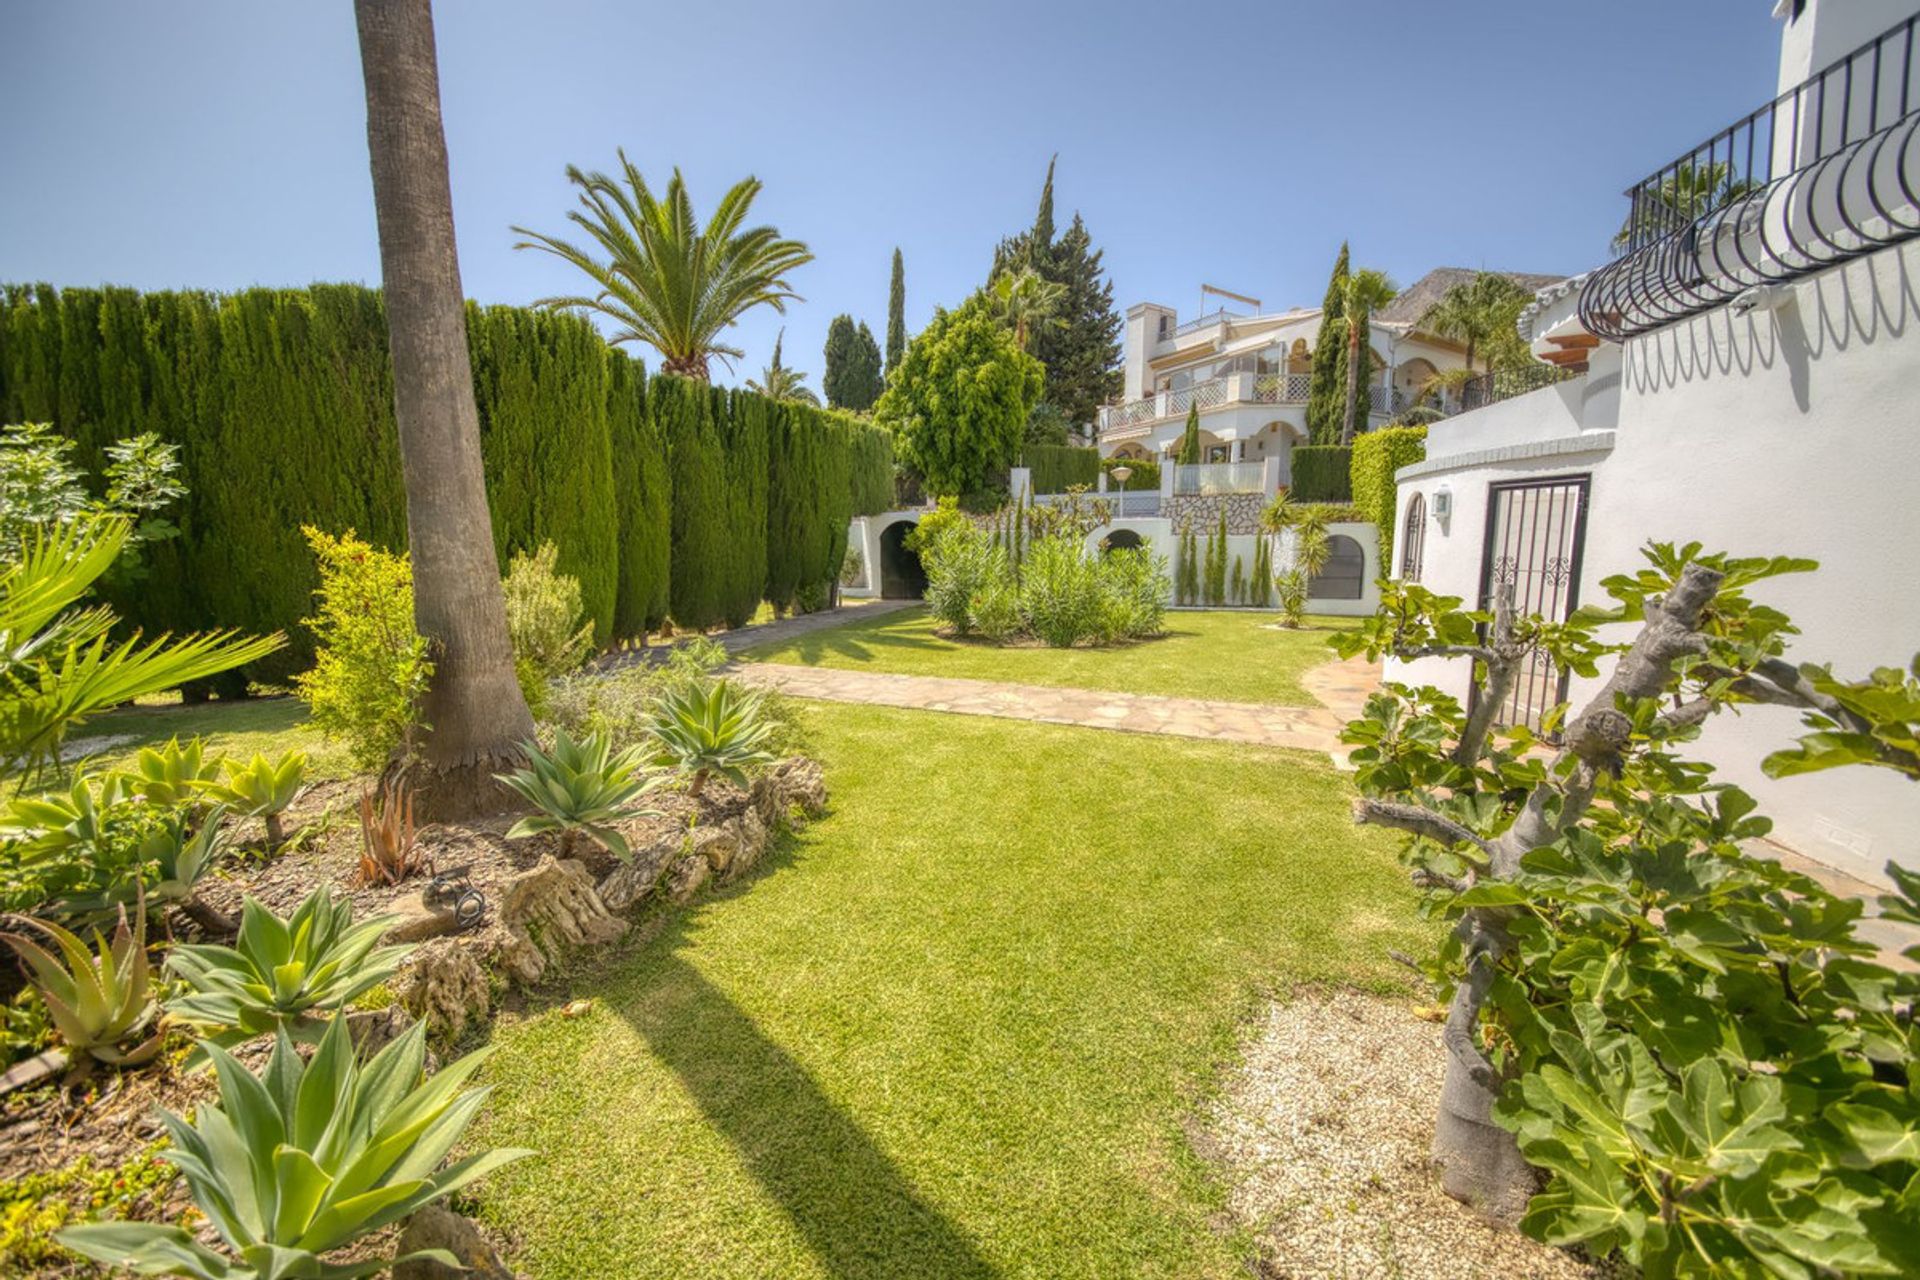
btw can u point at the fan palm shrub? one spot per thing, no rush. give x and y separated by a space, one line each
582 785
261 788
98 998
60 664
306 1159
665 280
712 728
282 973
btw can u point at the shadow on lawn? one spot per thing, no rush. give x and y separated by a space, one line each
855 1207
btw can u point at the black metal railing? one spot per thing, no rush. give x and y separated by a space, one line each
1825 172
1505 384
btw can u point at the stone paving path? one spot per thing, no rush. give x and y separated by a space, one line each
1340 686
764 632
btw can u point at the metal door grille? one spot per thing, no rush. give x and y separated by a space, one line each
1536 530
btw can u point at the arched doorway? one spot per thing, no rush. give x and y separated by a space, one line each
901 577
1346 573
1120 540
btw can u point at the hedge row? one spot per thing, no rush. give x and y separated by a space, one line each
1143 474
1320 473
1057 466
281 403
1376 456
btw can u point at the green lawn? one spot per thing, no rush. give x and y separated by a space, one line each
266 725
1240 657
955 1028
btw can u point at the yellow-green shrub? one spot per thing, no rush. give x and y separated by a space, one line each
370 666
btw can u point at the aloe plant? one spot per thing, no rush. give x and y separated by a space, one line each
279 974
581 786
98 998
307 1158
260 788
707 729
389 851
172 777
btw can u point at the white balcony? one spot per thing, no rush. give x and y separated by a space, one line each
1137 417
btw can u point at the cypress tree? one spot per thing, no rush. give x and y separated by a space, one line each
744 426
1327 388
897 313
853 379
1190 440
681 412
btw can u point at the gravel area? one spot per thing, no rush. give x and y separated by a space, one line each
1322 1133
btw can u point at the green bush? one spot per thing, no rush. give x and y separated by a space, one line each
1134 589
1060 592
1142 477
959 560
1057 466
1376 456
995 609
1321 473
545 622
369 666
621 704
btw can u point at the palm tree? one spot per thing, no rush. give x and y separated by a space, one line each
667 281
1363 292
473 709
1477 311
778 382
1691 191
1024 300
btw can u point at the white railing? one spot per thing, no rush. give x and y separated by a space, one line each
1282 388
1219 477
1204 395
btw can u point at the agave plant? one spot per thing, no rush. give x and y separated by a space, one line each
98 998
388 852
305 1159
709 729
582 785
173 776
280 974
77 842
261 788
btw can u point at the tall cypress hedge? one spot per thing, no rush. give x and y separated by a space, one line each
663 498
1056 466
643 491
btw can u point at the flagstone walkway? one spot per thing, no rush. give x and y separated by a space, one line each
1341 687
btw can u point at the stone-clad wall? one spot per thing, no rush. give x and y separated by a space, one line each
1203 511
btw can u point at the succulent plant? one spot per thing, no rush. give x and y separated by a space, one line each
171 777
307 1158
712 728
98 998
260 788
174 858
388 849
282 973
581 785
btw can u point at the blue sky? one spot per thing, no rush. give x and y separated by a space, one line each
222 144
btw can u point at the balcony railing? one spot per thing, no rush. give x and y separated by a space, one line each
1236 388
1198 323
1505 384
1282 388
1219 477
1824 173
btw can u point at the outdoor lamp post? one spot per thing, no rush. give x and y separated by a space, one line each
1121 473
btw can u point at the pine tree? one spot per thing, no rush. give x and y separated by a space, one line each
1190 441
897 313
1081 350
1326 397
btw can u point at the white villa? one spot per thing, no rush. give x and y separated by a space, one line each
1749 378
1249 375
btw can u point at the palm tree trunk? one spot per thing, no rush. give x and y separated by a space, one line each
473 709
1353 381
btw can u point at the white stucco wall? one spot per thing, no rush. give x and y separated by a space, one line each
1794 432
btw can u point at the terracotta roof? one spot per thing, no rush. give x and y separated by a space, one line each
1413 301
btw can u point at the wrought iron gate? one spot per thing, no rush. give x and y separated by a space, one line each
1536 530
